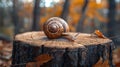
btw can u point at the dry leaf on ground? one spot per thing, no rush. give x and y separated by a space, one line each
43 58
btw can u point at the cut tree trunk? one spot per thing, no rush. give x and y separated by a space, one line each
85 51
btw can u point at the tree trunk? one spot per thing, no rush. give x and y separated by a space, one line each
111 17
83 15
1 17
85 51
16 17
36 16
65 10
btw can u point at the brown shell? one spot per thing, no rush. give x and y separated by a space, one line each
54 27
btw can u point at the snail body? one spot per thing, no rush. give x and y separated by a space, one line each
55 27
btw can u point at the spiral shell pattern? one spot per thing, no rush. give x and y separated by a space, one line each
54 27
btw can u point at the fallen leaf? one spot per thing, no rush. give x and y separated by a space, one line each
44 58
117 65
100 63
41 59
31 64
1 45
99 34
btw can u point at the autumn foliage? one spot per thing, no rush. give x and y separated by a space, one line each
74 15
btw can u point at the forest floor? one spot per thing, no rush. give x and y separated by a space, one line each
6 54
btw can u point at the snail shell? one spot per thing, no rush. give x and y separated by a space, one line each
55 27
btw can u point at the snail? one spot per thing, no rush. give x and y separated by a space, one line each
56 27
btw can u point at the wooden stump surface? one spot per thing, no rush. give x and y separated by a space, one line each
85 51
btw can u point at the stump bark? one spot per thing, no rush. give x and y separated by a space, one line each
85 51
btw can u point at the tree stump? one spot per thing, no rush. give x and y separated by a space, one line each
85 51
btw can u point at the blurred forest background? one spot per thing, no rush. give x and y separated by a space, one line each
18 16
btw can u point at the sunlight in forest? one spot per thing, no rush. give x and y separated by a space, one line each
98 1
48 3
27 0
